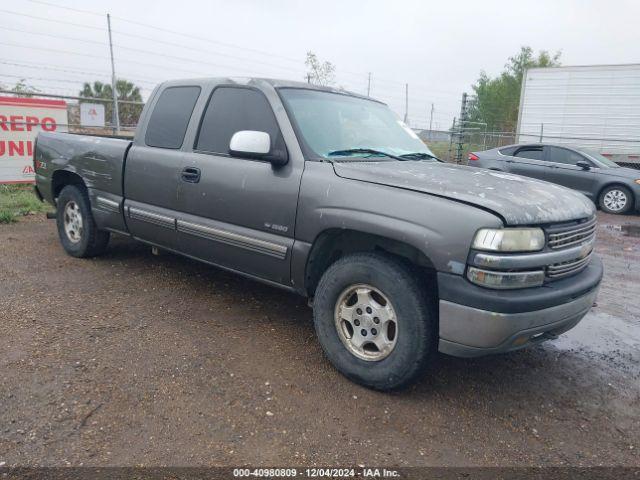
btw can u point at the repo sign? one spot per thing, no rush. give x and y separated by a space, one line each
20 121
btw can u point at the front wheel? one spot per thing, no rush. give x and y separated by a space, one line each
616 199
375 320
76 227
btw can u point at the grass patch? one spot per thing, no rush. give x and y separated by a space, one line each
17 201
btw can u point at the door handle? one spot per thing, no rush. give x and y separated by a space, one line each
191 174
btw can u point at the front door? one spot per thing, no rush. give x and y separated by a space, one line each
239 212
564 170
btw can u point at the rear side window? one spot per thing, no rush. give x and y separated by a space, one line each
508 151
562 155
231 110
534 153
170 117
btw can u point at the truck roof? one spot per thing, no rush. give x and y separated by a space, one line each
258 81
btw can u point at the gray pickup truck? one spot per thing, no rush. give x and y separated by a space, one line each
328 194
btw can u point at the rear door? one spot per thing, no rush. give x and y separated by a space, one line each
153 167
564 170
240 212
529 161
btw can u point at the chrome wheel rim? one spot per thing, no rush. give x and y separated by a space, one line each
366 322
72 222
615 200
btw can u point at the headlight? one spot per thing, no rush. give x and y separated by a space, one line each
505 280
509 239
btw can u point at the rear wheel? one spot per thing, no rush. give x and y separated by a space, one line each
76 227
374 320
616 199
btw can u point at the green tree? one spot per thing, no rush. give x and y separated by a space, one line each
498 99
125 90
23 89
319 72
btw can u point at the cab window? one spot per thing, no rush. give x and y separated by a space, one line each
563 155
232 109
533 153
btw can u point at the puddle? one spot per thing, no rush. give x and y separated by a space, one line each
600 332
627 230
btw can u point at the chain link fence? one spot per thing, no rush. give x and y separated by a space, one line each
451 145
128 109
454 145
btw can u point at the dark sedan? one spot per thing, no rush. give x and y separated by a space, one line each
613 188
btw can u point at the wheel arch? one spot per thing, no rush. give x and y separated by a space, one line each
333 243
62 178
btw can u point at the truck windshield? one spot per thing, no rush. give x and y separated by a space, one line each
340 126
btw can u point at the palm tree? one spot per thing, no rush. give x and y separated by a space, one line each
126 90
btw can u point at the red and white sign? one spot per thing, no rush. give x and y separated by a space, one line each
91 115
20 121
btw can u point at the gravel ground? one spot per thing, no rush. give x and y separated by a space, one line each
132 359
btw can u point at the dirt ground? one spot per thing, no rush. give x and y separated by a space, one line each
132 359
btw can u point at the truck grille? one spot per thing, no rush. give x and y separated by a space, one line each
564 269
572 235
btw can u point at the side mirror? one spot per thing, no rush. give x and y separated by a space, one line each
584 165
254 144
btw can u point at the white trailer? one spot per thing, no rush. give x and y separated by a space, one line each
596 106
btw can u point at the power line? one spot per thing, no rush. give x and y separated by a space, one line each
52 20
39 66
204 39
173 57
164 67
75 39
67 8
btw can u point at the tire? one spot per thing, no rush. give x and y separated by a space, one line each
616 199
76 227
414 335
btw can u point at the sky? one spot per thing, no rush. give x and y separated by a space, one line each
437 48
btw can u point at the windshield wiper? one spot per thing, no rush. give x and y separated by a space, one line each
370 151
420 156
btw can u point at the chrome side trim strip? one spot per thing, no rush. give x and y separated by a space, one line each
530 260
107 204
150 217
234 239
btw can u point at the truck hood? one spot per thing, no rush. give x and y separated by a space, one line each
518 200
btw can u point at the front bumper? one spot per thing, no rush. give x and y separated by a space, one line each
477 321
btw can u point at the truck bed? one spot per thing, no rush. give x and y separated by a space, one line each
99 161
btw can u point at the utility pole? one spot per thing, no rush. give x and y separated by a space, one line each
430 121
451 134
369 85
116 113
406 103
541 131
461 125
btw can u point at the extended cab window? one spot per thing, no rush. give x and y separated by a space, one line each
170 117
231 110
534 153
562 155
